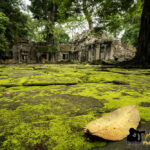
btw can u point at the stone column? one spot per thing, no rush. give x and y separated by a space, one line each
38 57
97 51
47 57
79 56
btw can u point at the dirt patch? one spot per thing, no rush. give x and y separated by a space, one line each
47 84
80 104
18 75
125 94
106 70
118 82
145 104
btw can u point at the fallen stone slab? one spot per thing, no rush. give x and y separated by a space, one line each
115 126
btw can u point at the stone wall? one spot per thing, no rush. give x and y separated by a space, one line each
31 52
91 48
24 52
123 52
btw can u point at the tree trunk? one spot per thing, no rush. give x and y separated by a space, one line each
87 15
90 24
143 51
50 33
51 25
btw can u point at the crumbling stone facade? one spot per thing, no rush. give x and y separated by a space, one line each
31 52
91 48
86 47
83 48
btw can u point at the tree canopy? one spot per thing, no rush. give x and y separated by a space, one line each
132 25
4 21
49 11
12 23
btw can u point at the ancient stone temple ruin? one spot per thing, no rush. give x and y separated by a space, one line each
83 48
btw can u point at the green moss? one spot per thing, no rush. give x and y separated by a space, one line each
54 116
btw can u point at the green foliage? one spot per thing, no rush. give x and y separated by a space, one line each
35 30
18 26
4 21
74 23
114 24
132 25
113 15
97 31
13 22
50 12
88 8
106 14
60 34
131 35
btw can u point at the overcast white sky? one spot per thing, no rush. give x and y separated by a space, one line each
27 2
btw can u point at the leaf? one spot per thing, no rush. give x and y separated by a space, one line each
115 126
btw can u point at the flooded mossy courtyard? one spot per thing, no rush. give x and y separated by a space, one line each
47 106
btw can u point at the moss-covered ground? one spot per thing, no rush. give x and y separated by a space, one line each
45 107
